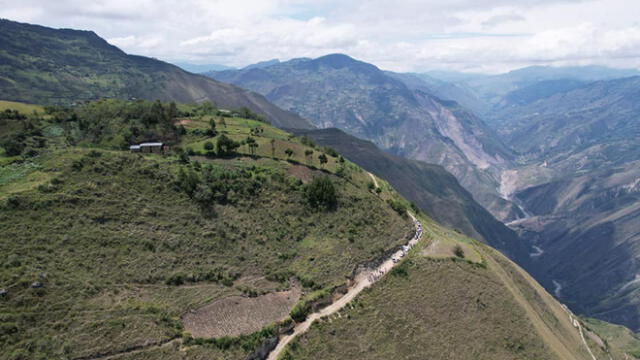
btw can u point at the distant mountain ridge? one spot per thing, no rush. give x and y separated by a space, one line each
60 66
201 68
338 91
486 94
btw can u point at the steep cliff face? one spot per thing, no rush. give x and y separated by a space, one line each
578 183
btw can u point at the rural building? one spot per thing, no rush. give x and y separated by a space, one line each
149 147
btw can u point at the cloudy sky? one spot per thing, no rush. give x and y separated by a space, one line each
401 35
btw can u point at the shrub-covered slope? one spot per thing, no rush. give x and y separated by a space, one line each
109 253
430 187
104 250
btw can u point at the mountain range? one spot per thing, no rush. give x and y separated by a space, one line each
230 244
578 180
63 66
339 91
557 162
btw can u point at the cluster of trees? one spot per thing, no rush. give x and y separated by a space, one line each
116 123
10 114
245 112
226 146
321 193
214 184
26 138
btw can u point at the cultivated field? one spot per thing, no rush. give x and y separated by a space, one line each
240 315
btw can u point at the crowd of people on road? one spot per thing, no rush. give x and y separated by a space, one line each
378 273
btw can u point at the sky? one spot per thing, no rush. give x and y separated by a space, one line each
489 36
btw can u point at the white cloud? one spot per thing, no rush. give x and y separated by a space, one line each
415 35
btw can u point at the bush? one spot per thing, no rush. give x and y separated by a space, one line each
321 193
305 140
13 147
331 152
226 145
300 311
208 146
398 206
457 251
401 270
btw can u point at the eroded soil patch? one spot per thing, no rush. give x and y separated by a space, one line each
239 315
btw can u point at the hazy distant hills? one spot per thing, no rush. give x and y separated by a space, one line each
50 66
485 94
201 68
338 91
603 114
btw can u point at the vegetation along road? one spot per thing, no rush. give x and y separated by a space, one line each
363 280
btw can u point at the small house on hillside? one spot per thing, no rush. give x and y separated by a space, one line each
149 147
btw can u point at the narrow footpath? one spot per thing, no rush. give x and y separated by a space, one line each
363 280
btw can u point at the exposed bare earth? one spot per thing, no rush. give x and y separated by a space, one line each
239 315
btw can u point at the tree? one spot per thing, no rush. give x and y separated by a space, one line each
331 152
308 153
14 146
273 147
208 146
222 121
252 144
305 140
187 181
289 152
323 159
226 146
457 251
172 111
321 193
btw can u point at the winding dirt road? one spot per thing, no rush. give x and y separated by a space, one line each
375 181
363 280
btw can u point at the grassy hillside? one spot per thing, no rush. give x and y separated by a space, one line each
438 306
430 187
64 66
116 254
105 250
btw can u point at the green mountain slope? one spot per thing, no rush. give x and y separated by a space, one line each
201 253
338 91
439 307
121 246
50 66
428 186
